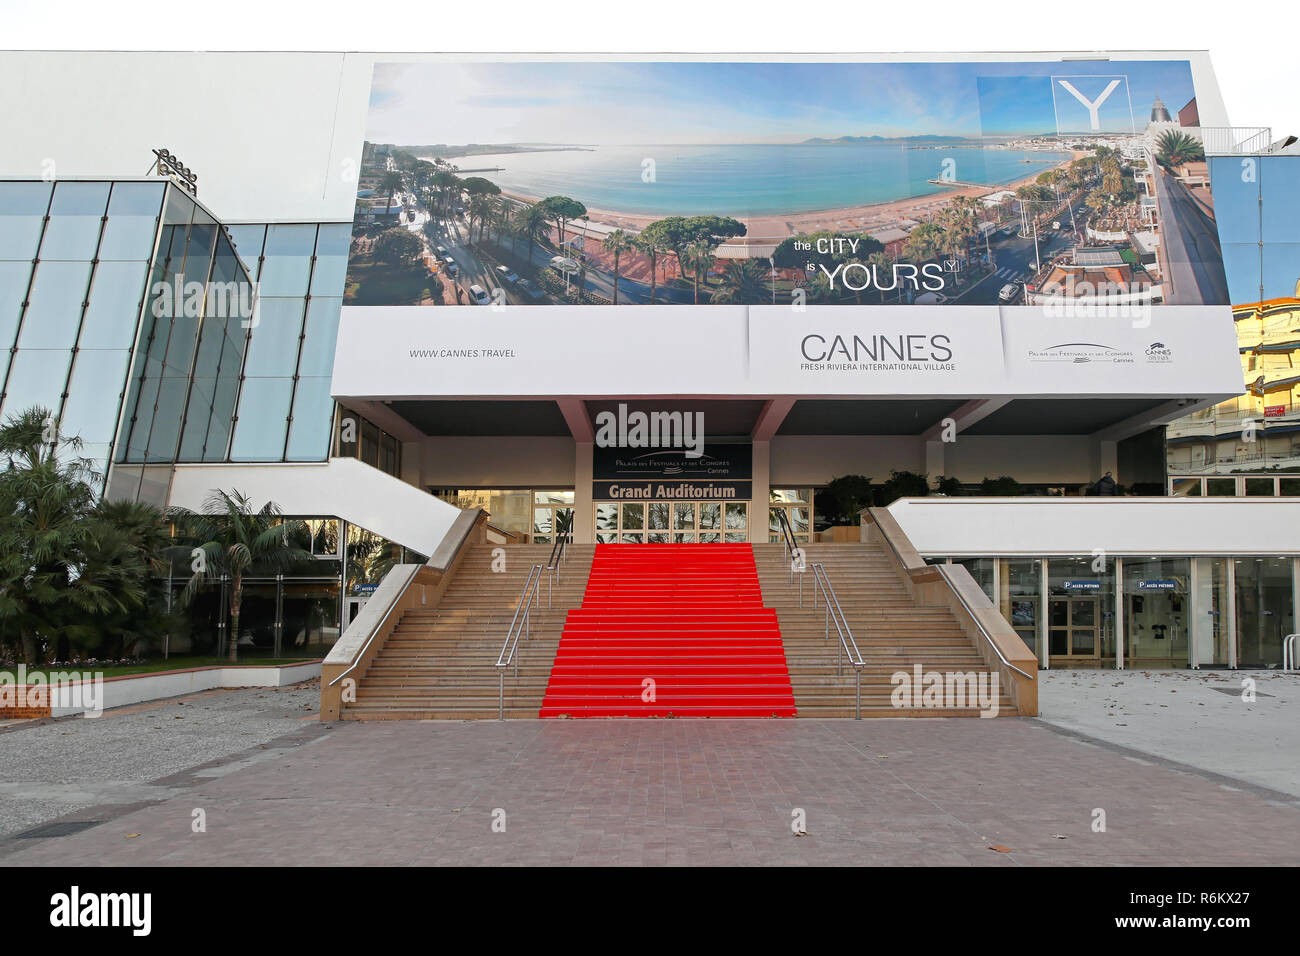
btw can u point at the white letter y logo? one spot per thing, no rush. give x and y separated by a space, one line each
1093 107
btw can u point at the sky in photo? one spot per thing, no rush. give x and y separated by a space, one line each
626 102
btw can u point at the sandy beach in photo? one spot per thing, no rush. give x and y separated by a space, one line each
772 229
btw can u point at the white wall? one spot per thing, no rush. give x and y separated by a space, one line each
343 487
495 462
1118 526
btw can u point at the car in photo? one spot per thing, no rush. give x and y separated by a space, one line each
443 252
1009 292
529 288
478 295
931 298
504 273
449 264
1056 224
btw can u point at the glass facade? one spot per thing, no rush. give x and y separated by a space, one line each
74 265
1257 210
1169 611
358 437
797 503
284 407
159 336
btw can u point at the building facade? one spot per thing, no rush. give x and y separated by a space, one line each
376 323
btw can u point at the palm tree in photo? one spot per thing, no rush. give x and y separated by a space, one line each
881 265
391 184
480 208
700 256
445 183
231 539
745 282
616 243
651 244
534 223
1174 148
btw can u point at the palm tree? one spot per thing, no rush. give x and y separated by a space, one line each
650 243
618 242
391 183
534 222
44 497
480 208
1174 148
446 183
700 256
881 264
230 540
745 282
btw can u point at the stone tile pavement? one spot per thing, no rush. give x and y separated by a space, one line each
874 792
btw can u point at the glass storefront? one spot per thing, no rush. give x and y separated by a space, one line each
523 514
1211 612
1157 615
672 522
1081 611
1020 599
1173 611
1265 612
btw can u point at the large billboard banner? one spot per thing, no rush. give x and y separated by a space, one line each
605 182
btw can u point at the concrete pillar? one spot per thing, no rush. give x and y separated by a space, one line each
762 492
584 511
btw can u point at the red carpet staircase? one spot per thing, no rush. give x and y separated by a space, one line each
688 617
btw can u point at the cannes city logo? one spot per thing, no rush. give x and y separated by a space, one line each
638 429
219 300
946 690
64 691
1091 93
75 908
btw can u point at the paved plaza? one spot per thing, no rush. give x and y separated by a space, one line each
289 790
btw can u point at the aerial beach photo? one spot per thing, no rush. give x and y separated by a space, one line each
694 182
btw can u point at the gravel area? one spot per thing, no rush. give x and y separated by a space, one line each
51 768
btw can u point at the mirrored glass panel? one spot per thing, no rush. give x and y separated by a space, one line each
22 212
133 213
94 395
313 409
332 243
76 215
286 263
263 419
116 295
321 336
36 377
273 347
54 307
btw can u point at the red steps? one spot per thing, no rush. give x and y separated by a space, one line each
690 617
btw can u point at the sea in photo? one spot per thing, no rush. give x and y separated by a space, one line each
744 181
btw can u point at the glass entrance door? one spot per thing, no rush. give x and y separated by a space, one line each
672 522
1264 610
1072 630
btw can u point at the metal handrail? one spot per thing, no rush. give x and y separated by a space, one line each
518 625
559 556
1289 652
791 548
944 572
848 647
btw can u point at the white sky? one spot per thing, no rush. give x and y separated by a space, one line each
1252 46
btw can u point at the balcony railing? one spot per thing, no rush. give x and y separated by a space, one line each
1233 140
